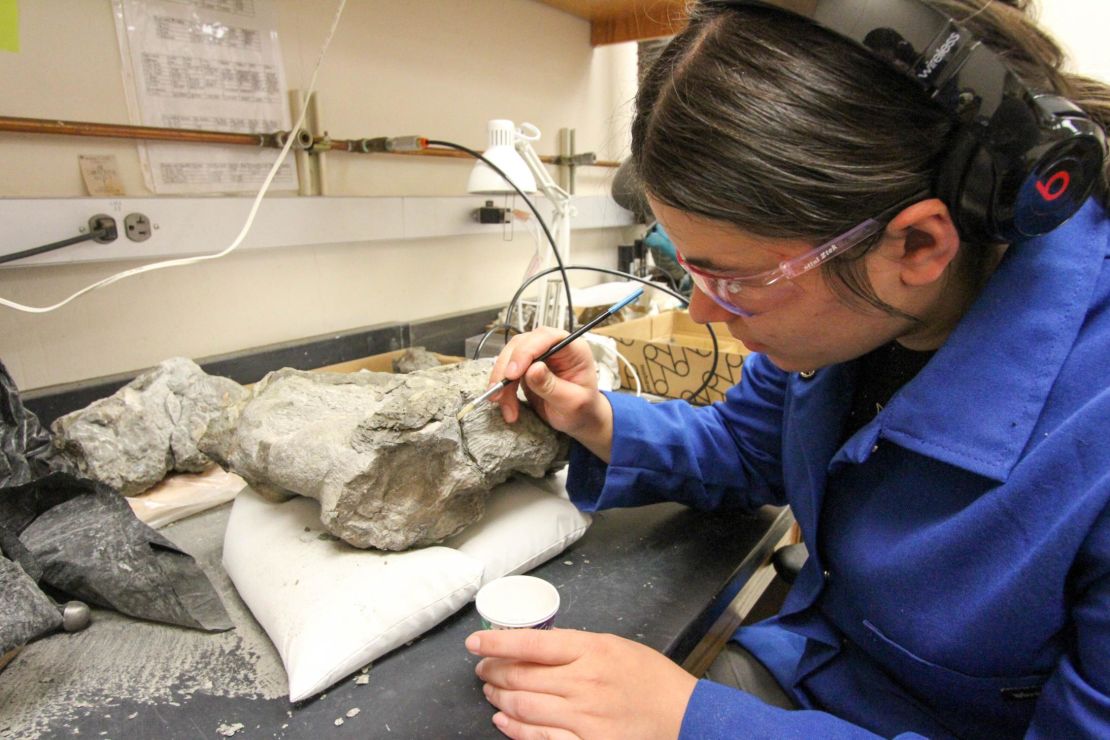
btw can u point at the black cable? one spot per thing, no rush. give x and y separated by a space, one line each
535 211
706 379
488 334
97 234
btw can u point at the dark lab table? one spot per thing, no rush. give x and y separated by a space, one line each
658 574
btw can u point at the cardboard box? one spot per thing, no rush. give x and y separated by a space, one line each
382 363
672 354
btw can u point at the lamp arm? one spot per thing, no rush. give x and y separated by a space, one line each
557 195
560 200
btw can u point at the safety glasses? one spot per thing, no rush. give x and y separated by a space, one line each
759 292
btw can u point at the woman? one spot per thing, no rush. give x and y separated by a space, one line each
930 399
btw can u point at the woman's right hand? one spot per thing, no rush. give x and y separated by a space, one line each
562 390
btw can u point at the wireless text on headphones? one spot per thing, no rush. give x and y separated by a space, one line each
1022 163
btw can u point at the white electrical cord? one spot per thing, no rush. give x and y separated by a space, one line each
631 371
606 345
250 216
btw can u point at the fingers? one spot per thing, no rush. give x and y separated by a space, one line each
530 714
520 731
514 360
516 675
548 647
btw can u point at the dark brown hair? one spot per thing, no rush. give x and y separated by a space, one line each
759 118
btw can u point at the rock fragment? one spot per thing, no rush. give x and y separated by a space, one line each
150 427
413 359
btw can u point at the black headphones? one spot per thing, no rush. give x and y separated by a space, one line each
1022 162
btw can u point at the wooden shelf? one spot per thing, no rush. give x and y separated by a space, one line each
614 21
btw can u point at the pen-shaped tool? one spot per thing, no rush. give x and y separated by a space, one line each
555 348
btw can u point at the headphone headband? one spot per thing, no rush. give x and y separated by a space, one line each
1021 162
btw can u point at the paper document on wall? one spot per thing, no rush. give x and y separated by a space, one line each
211 65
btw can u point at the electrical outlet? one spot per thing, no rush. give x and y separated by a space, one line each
491 214
137 227
102 221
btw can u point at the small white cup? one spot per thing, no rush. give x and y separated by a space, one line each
517 602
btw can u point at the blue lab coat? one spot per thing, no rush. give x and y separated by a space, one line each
959 574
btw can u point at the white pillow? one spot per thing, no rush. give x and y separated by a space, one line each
524 526
321 600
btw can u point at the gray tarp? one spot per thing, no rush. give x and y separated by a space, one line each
82 539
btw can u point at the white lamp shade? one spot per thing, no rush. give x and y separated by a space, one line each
503 153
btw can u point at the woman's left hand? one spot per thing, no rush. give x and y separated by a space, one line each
571 684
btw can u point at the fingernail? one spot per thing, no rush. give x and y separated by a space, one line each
511 369
500 720
473 643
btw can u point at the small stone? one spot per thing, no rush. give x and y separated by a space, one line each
133 715
353 712
362 680
338 722
228 730
413 359
568 562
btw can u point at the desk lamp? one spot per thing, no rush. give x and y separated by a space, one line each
510 149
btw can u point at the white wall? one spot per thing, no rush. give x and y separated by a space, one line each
1081 27
439 68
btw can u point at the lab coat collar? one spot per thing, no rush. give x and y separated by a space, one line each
975 404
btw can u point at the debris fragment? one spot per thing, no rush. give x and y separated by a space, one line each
353 712
338 722
362 680
228 730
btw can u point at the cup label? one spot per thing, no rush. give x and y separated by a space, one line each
545 625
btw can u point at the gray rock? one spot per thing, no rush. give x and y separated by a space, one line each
413 359
148 428
25 611
382 453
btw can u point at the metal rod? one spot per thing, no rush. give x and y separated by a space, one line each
305 175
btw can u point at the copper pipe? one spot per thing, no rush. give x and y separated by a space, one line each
120 131
152 133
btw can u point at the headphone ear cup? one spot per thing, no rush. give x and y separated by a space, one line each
1018 177
964 181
